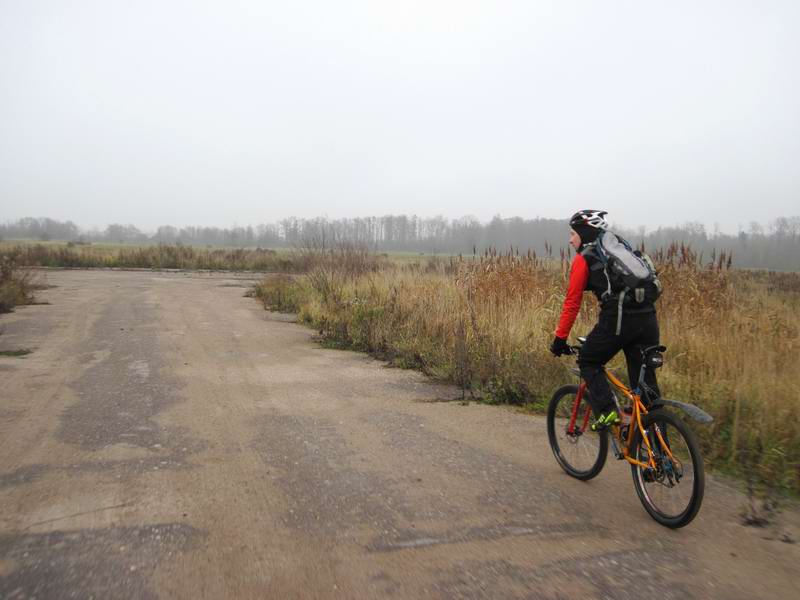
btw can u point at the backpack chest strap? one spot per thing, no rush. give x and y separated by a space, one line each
619 311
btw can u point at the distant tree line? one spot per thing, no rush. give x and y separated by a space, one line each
772 246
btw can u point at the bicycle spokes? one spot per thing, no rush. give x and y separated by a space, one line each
578 424
580 451
663 467
667 483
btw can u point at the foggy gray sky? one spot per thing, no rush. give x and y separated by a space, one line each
242 112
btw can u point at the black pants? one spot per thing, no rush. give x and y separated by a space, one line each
638 331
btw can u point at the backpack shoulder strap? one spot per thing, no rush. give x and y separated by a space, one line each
624 242
594 256
590 250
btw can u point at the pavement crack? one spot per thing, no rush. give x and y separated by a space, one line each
79 514
479 534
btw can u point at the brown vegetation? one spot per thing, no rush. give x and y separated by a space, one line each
16 285
160 256
486 324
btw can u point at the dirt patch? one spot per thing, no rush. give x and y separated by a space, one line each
328 494
115 562
124 390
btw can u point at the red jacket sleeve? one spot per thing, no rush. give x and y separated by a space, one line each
578 278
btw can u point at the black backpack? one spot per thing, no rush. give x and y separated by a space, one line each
631 275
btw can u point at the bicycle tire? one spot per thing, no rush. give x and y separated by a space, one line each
566 447
683 444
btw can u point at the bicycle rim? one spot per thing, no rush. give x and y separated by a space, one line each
580 451
673 491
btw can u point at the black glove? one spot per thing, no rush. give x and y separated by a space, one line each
559 347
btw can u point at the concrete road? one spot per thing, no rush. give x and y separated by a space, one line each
168 438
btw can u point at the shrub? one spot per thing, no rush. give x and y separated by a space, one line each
281 293
16 286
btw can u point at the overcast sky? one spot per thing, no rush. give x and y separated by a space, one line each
243 112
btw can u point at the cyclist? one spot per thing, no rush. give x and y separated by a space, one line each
639 325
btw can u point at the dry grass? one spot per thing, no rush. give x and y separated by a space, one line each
153 257
16 285
486 324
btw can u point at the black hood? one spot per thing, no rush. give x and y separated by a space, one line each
588 233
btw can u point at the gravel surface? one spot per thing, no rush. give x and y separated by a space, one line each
167 438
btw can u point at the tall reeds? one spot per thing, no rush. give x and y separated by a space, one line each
485 323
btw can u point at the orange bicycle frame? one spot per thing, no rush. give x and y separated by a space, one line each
636 417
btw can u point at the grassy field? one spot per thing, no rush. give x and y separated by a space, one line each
486 325
159 256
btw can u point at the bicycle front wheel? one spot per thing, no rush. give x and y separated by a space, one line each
580 451
672 491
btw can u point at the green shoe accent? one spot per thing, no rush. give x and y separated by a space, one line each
606 420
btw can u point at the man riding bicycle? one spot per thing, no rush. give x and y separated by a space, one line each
635 328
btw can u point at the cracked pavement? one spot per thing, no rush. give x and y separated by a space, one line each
168 438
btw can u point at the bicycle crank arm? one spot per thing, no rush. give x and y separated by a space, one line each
698 414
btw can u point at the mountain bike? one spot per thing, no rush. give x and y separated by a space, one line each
663 453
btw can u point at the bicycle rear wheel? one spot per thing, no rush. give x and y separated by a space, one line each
580 451
672 492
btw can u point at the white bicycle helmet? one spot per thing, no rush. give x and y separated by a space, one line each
590 218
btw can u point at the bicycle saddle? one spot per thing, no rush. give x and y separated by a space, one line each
652 355
650 349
